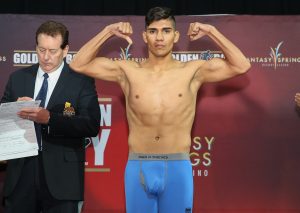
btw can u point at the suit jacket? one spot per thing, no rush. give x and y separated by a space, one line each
64 137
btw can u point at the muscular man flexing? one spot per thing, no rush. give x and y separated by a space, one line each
160 95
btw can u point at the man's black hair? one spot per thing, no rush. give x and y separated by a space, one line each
159 13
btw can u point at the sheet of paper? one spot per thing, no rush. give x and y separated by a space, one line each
17 135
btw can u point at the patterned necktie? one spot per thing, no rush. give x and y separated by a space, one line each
41 96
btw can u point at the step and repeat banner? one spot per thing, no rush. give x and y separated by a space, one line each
246 136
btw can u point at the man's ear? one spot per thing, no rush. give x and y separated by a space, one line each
66 50
145 37
177 35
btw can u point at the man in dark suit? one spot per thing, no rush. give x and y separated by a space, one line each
53 181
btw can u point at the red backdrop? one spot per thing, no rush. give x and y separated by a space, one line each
245 149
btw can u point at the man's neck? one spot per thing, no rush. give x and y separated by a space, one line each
159 63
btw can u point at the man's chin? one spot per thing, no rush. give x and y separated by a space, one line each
47 68
161 55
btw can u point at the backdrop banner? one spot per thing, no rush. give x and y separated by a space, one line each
245 140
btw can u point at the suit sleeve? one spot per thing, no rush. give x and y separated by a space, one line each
7 92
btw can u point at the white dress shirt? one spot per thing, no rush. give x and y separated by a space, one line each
52 80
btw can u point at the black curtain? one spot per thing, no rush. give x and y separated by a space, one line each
139 7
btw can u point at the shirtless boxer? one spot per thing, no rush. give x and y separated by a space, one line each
160 95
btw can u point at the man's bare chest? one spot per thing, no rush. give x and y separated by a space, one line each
158 96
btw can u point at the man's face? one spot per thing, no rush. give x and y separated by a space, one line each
160 37
49 53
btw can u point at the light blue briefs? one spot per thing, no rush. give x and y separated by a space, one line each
159 183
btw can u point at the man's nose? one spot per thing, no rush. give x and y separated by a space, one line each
159 36
47 55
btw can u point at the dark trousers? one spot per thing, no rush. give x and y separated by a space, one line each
31 194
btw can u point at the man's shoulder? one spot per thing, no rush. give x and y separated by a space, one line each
195 63
25 71
188 66
128 63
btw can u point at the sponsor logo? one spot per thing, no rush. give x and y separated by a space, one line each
25 58
98 144
124 55
155 157
200 155
2 58
197 55
276 58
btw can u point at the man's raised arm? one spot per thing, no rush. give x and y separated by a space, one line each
86 61
217 69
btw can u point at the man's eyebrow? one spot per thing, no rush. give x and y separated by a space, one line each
151 28
47 49
164 28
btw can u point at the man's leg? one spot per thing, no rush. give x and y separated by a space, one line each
24 197
178 194
63 207
50 204
137 200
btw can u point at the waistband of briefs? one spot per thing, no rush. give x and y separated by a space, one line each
175 156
